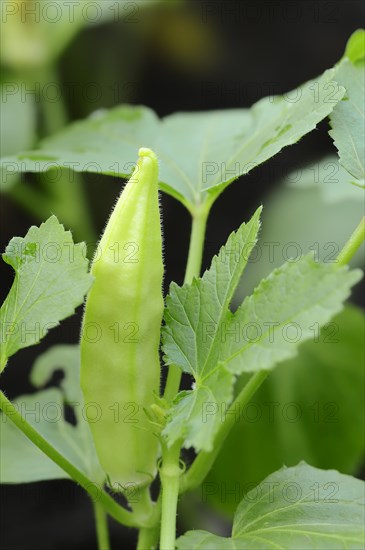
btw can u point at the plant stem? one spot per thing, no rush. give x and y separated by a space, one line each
101 524
196 246
204 461
172 382
143 507
352 244
170 478
167 500
193 267
94 489
32 200
67 194
54 113
148 537
170 472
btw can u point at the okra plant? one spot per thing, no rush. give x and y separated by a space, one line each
132 429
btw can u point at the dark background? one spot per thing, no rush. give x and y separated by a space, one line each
198 56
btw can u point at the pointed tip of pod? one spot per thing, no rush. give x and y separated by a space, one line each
145 152
147 166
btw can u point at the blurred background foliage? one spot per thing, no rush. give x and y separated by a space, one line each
71 58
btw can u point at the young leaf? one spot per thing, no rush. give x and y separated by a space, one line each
347 120
272 322
299 507
195 312
310 408
355 47
51 280
194 417
200 153
21 461
209 342
191 337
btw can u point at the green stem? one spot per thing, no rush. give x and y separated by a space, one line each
65 197
352 244
172 382
93 489
54 113
101 524
67 194
193 267
148 537
144 508
196 246
205 460
68 204
32 200
170 474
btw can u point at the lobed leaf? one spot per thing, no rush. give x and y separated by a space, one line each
21 461
329 177
200 153
320 193
191 337
51 280
205 339
196 311
310 408
348 120
272 322
299 507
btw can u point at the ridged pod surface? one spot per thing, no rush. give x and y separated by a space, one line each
120 367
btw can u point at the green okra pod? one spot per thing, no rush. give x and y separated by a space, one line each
120 366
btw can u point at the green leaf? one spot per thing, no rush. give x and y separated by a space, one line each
65 357
191 417
191 338
355 47
329 177
299 507
21 461
205 339
200 153
224 145
348 120
51 280
311 407
272 322
320 193
195 312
